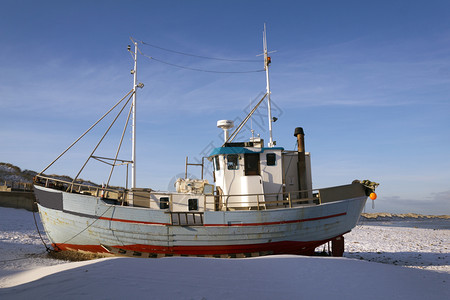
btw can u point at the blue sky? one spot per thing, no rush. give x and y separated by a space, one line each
369 81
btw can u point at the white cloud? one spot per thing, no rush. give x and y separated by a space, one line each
360 73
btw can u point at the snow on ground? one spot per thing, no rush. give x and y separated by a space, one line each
20 245
373 267
405 246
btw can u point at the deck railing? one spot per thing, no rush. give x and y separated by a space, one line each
80 188
216 201
286 199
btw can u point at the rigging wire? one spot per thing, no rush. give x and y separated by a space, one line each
198 56
101 140
97 218
120 145
200 70
90 128
238 129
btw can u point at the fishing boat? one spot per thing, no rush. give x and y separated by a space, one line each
261 201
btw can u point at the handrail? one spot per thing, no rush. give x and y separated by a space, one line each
266 204
51 182
287 198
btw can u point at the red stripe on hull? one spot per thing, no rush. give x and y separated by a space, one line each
286 247
279 222
229 225
133 221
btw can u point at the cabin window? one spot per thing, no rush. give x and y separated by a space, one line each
271 159
251 164
232 161
193 204
164 202
216 163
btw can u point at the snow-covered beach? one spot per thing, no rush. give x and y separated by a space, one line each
395 262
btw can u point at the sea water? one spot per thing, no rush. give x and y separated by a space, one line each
426 223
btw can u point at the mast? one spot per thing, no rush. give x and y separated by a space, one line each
133 125
266 68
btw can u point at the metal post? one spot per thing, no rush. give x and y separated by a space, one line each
203 162
266 67
126 183
185 172
133 136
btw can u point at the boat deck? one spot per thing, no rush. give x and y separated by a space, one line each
188 208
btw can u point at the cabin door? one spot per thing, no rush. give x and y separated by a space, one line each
251 164
251 183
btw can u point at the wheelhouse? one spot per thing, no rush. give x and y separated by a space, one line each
249 173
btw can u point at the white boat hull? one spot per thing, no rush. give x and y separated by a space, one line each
82 222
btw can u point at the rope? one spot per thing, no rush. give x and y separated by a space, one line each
42 239
87 226
199 56
201 70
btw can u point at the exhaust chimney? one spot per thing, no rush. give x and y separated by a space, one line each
301 166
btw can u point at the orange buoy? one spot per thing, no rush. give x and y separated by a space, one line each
373 196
